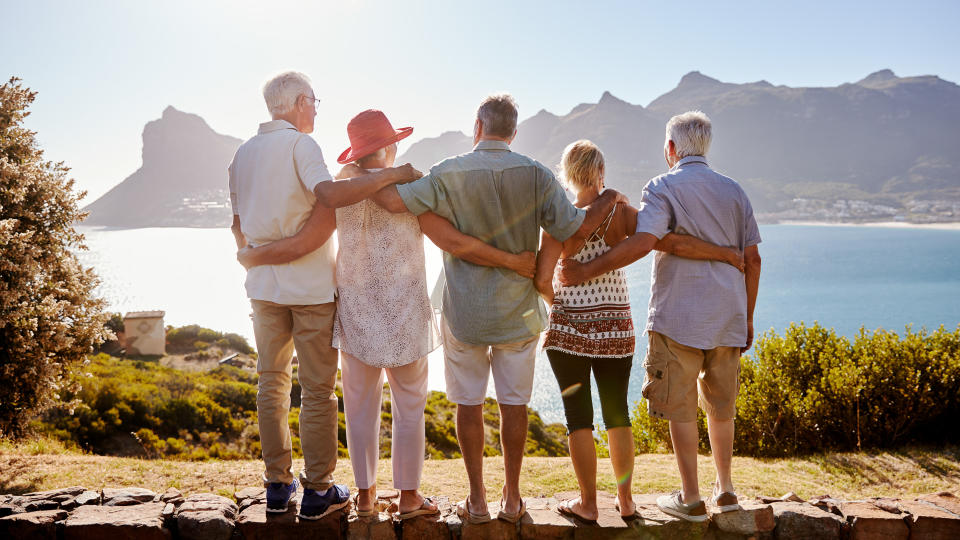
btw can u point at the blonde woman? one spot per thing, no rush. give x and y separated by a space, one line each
591 330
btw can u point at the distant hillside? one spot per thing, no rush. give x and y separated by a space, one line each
884 147
181 183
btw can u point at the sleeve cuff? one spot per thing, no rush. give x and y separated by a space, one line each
313 184
562 234
659 233
410 200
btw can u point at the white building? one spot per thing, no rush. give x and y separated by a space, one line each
144 333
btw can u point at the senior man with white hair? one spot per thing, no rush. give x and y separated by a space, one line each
700 318
278 183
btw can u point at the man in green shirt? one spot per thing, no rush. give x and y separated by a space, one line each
492 318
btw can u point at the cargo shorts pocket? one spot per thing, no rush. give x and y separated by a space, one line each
655 383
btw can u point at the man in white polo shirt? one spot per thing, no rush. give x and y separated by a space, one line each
279 182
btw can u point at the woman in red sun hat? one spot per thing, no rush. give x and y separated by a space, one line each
384 323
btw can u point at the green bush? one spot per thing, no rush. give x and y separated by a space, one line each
812 390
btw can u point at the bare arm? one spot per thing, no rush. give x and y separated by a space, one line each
691 247
389 199
597 211
237 233
625 252
353 190
547 259
314 233
752 259
468 248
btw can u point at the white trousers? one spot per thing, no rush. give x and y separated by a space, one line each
362 392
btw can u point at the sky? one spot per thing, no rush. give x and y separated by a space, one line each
103 69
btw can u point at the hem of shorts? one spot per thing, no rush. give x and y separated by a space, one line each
298 301
669 417
556 348
339 347
502 402
456 402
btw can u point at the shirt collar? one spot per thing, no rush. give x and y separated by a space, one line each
488 144
275 125
690 159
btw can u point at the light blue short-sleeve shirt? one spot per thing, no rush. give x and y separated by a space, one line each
701 304
504 199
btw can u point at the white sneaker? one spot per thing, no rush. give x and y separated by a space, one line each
673 505
725 501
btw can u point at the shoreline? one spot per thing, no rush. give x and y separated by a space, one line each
946 226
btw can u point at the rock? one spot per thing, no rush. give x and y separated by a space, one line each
255 523
869 522
655 524
255 493
751 519
8 509
32 525
206 516
171 495
378 527
492 530
887 504
930 522
803 521
85 498
791 497
139 522
546 524
945 500
126 496
40 500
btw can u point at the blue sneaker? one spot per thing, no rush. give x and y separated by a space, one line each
315 505
278 496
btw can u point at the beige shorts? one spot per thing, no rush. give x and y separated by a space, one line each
675 373
467 369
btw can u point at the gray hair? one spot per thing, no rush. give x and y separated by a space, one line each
498 112
281 92
691 133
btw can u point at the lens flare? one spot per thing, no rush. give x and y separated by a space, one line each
570 390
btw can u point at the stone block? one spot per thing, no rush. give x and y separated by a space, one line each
495 529
40 500
139 522
255 523
87 497
871 522
543 523
378 527
945 500
171 495
930 522
40 525
126 496
206 516
250 493
434 527
751 519
802 521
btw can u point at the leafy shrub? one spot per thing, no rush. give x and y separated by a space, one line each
812 390
49 317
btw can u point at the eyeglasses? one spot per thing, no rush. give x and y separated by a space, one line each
316 101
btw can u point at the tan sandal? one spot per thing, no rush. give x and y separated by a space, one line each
512 518
363 513
465 515
424 510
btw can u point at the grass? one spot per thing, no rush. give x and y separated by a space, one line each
40 464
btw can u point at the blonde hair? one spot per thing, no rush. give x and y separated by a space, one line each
582 165
691 133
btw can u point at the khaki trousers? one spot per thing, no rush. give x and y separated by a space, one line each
362 392
279 330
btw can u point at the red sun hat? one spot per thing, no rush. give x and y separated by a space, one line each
370 131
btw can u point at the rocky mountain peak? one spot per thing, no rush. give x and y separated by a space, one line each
695 78
881 76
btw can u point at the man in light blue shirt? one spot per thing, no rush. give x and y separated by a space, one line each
492 317
701 312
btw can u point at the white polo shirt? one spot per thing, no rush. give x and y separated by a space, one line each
272 177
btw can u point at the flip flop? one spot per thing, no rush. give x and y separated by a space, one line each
422 511
565 508
632 517
363 513
464 513
512 518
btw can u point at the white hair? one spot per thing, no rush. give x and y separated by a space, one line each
691 133
281 92
498 112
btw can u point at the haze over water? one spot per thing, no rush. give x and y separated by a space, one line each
843 277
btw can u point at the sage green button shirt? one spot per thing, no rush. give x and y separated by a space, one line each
504 199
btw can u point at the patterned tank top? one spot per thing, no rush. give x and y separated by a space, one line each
592 319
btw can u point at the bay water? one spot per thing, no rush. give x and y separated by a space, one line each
840 276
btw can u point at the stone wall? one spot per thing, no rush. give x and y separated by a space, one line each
77 513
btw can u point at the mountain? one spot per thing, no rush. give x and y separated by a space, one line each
882 147
181 183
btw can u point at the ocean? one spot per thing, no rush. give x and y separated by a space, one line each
840 276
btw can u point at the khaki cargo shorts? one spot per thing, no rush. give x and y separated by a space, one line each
675 373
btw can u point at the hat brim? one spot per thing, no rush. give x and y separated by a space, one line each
352 154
